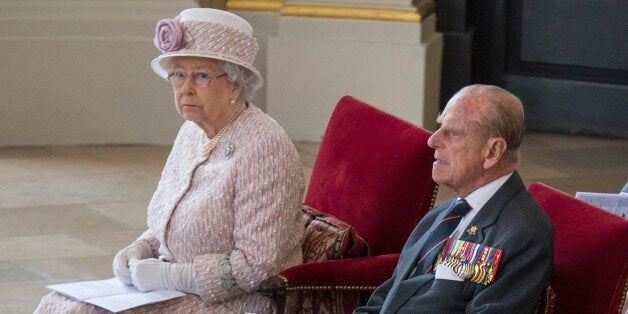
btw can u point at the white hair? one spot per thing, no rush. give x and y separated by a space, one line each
247 80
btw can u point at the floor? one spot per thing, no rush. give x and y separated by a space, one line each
65 211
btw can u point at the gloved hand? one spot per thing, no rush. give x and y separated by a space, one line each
136 251
153 274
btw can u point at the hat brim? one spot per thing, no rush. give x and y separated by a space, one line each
159 64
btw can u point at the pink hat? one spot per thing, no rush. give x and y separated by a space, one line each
207 33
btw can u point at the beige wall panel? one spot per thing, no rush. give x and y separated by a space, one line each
313 62
78 72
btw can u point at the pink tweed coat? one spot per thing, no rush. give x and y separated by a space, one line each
235 215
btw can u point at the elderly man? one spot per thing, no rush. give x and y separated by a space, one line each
490 249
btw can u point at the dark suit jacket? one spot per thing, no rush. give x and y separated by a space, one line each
512 221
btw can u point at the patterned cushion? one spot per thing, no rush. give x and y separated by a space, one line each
328 238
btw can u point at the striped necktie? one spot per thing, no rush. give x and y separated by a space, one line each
439 235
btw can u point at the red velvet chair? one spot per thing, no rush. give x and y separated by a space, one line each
590 254
372 171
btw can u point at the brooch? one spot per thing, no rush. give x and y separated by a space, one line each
229 152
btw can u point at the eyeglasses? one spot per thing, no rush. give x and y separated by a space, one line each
200 79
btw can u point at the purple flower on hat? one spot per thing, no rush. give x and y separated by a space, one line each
169 35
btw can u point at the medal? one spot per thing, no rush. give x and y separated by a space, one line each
471 261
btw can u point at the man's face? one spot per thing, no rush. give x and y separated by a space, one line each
459 146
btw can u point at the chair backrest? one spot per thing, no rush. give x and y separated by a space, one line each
590 253
373 171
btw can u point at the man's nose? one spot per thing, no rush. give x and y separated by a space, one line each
432 141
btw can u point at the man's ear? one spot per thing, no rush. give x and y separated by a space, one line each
494 151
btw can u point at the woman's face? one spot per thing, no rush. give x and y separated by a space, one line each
208 105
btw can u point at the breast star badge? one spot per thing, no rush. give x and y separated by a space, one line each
472 230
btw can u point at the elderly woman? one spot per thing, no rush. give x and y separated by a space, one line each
226 213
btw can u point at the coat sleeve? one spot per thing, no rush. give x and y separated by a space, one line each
268 225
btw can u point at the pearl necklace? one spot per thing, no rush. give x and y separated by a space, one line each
208 147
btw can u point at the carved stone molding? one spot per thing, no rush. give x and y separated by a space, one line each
397 11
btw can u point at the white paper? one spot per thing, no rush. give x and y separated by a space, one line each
445 272
614 203
112 294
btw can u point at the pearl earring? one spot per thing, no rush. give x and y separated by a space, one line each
232 102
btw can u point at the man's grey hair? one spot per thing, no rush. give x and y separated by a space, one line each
502 118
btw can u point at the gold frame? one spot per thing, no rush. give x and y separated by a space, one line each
340 12
344 12
255 5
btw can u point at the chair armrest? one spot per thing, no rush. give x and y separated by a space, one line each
547 301
363 273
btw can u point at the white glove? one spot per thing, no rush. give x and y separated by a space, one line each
153 274
136 251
